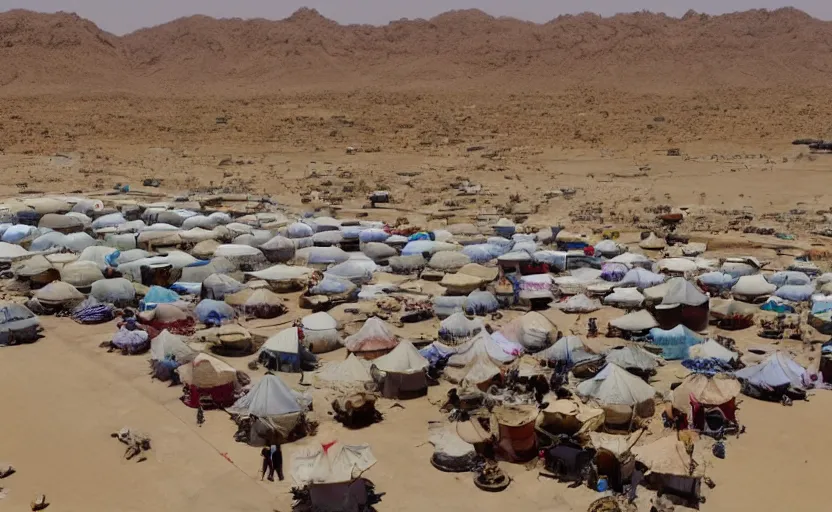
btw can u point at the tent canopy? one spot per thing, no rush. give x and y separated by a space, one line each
331 463
616 386
405 358
268 398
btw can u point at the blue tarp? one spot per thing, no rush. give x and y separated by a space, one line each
481 253
718 280
373 235
795 293
776 306
789 277
675 342
213 312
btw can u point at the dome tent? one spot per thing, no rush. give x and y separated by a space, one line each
448 261
481 303
443 307
58 295
285 352
579 304
320 332
532 331
213 312
119 292
356 271
17 325
634 359
789 277
259 303
219 286
378 252
278 250
638 321
641 278
752 287
620 393
168 352
675 342
375 338
476 362
569 350
624 298
778 370
458 326
712 350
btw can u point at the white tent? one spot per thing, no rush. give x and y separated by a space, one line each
633 357
268 398
776 370
349 371
569 349
168 344
207 372
624 298
712 350
405 358
331 463
682 291
616 386
637 321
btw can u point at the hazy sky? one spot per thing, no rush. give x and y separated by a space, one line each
122 16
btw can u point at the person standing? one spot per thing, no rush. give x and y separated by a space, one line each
277 461
267 469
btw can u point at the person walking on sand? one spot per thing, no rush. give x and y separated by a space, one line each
267 470
277 461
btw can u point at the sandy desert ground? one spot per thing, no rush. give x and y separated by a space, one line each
63 396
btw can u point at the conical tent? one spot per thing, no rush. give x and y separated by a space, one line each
634 322
375 335
778 369
167 345
616 386
350 371
681 291
668 456
635 358
268 398
712 350
641 278
405 358
261 302
458 326
533 331
569 349
331 463
711 391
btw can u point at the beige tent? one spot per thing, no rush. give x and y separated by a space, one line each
332 473
404 372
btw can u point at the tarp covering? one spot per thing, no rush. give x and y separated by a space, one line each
624 298
641 278
753 286
717 390
331 463
789 277
637 321
481 303
444 307
17 324
675 342
320 332
717 280
167 345
402 359
218 286
633 357
81 274
349 371
533 331
374 335
206 371
448 261
712 350
616 386
569 349
268 398
681 291
795 293
668 456
459 326
58 293
778 369
578 304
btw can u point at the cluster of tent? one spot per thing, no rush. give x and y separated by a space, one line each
193 270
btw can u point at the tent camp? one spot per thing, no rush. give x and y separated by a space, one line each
620 393
332 474
403 372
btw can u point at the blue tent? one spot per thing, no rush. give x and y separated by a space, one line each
675 342
213 312
157 295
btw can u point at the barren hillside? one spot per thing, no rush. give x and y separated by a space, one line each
636 52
